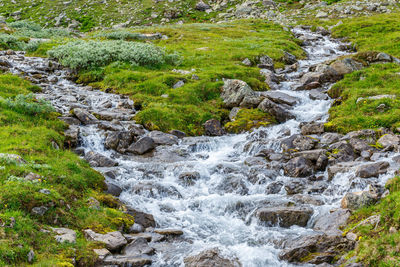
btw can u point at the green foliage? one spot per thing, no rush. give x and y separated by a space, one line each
27 104
248 119
119 35
375 80
89 54
213 52
33 30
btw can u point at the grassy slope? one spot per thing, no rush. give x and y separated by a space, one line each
377 33
215 52
70 180
377 246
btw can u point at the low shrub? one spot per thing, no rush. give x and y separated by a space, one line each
27 104
89 54
30 29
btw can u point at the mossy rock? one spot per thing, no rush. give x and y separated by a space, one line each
248 119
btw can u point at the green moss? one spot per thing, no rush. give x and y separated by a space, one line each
248 119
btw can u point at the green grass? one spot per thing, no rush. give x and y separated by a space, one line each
380 33
377 246
214 52
31 130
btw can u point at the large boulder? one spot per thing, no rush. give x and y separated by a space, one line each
234 91
213 128
389 140
356 200
312 128
330 223
345 66
211 257
143 145
317 249
98 160
284 216
113 240
280 113
372 169
142 218
302 143
298 167
119 140
161 138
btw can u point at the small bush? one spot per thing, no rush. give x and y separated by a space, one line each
27 104
89 54
30 29
119 35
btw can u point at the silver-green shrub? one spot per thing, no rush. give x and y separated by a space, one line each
86 54
30 29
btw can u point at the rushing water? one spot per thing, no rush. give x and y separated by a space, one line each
216 211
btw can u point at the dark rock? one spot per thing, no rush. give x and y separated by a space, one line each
289 59
295 187
71 136
178 133
298 167
114 189
302 143
273 188
84 116
100 160
143 145
317 95
372 169
213 128
285 216
142 218
39 210
209 258
278 111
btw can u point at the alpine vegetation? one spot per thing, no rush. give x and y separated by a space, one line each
86 54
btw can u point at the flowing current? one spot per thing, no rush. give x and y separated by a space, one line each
218 210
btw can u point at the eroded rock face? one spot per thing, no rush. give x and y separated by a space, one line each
285 216
211 257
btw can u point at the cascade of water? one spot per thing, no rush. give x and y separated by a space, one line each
218 209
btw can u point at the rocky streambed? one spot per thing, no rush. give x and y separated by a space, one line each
272 197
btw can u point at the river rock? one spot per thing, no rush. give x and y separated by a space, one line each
345 66
155 190
372 169
295 187
213 128
138 247
265 62
278 111
99 160
178 133
270 78
161 138
330 138
234 91
122 260
169 232
142 218
71 136
84 116
332 221
285 216
143 145
302 143
356 200
282 98
211 257
316 249
341 167
298 167
64 235
289 59
113 240
317 95
341 152
389 140
113 189
312 128
189 178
